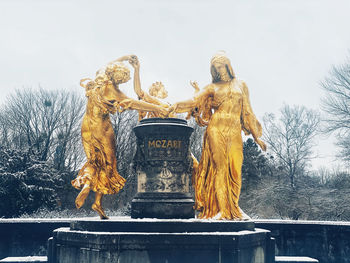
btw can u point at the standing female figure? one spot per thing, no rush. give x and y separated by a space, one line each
225 108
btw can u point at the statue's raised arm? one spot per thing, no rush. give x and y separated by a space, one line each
155 95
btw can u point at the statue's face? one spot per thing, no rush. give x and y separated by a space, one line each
157 90
220 69
162 94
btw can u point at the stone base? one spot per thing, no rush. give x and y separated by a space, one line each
295 260
31 259
126 224
162 205
160 241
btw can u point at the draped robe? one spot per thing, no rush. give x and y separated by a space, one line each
226 111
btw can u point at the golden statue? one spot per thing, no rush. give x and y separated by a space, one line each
99 173
224 107
157 92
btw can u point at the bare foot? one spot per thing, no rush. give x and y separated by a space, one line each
245 217
100 211
80 200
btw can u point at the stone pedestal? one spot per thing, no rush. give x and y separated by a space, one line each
126 240
163 165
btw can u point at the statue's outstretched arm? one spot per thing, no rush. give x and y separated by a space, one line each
189 105
143 106
128 103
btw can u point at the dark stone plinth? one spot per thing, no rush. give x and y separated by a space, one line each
156 240
125 224
162 205
164 165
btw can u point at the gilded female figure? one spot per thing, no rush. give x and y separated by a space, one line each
99 173
225 108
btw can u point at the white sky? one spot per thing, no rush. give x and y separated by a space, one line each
281 48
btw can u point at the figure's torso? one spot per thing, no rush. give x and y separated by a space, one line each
227 104
99 106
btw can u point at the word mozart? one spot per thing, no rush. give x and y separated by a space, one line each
165 144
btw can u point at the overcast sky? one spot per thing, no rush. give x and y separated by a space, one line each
281 48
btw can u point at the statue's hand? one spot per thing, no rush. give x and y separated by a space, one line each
134 61
194 84
163 112
261 144
171 109
124 58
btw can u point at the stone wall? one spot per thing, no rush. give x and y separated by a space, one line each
27 237
329 242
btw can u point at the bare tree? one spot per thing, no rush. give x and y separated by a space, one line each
291 136
69 150
4 131
44 122
336 105
196 139
123 124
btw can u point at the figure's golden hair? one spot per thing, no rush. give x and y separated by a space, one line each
117 72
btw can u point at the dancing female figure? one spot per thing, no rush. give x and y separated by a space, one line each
99 173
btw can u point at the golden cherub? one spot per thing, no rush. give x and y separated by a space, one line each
157 92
